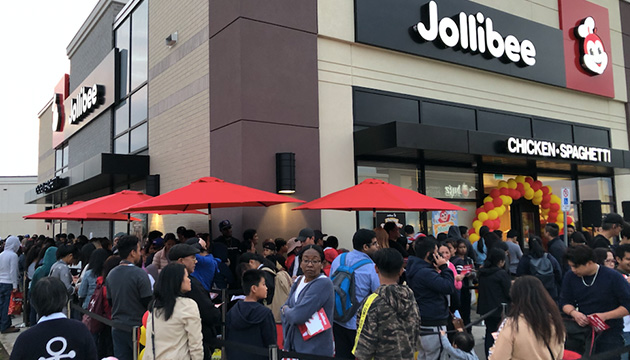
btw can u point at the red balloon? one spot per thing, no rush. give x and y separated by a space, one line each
497 202
551 219
554 207
546 198
489 224
479 210
515 194
569 220
545 191
520 187
495 193
471 231
504 191
144 318
529 180
545 205
497 223
537 185
488 206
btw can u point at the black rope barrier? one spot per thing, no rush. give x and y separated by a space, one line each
102 319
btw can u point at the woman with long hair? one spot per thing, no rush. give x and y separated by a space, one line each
494 291
382 237
173 325
542 265
94 270
533 328
464 266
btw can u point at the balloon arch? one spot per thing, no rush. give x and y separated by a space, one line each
495 204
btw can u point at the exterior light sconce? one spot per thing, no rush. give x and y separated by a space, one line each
285 173
171 39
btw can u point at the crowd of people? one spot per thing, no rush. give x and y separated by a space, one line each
391 296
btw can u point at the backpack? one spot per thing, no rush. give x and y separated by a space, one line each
542 268
346 303
282 283
99 306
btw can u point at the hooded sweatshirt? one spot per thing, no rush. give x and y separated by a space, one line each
494 289
431 290
50 257
250 323
9 262
391 329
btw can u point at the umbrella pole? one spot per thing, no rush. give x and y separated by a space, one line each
210 222
81 227
374 218
128 223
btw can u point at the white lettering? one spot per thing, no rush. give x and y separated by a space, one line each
554 150
85 102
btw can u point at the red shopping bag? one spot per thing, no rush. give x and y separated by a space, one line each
15 305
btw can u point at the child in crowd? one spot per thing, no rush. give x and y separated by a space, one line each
388 320
249 322
463 347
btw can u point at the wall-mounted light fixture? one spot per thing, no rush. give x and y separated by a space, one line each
285 173
171 39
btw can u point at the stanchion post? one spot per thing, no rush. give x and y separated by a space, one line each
224 307
134 335
273 352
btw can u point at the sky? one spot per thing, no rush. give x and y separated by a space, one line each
35 35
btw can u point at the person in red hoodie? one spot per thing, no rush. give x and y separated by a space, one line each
330 252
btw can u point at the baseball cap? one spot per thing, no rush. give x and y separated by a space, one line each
269 245
305 233
319 234
613 218
181 251
158 241
225 224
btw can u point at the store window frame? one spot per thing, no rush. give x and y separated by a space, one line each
125 94
62 156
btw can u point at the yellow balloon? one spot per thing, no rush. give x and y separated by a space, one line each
526 186
500 210
492 214
560 218
473 237
529 194
483 216
538 193
141 355
555 199
477 224
511 184
544 211
561 226
487 199
143 336
520 179
536 201
502 184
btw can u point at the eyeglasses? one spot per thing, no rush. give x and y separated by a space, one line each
312 262
375 243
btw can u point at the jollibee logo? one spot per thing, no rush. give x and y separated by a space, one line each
594 58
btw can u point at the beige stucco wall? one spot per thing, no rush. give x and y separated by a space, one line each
178 101
343 64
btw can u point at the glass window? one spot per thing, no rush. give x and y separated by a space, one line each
139 45
59 159
139 106
597 188
138 138
122 43
443 183
440 221
121 144
122 118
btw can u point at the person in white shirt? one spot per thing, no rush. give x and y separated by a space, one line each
8 281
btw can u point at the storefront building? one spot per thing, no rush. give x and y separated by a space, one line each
447 98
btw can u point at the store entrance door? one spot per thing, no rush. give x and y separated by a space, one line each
525 217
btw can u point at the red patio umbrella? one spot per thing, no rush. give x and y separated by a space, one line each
374 194
209 193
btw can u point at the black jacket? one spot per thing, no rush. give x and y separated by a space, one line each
210 315
494 289
249 323
558 248
430 289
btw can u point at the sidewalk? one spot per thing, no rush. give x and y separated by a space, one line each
7 340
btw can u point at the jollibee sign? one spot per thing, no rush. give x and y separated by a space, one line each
463 32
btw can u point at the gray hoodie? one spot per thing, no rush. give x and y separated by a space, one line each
451 353
9 262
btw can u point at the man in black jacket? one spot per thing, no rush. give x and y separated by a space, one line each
612 224
557 247
431 290
210 315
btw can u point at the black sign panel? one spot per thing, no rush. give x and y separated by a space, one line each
465 33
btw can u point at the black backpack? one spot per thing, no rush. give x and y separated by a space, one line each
542 268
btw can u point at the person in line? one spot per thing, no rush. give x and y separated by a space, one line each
622 255
463 347
605 257
249 322
577 238
533 329
597 290
393 234
54 336
94 270
612 224
481 246
160 259
173 324
494 291
540 264
515 252
8 281
455 232
66 255
128 293
432 283
310 293
185 254
464 266
556 246
365 282
389 325
48 259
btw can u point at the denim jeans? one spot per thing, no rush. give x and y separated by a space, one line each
626 342
5 298
123 344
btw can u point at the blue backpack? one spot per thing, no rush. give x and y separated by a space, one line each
346 304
